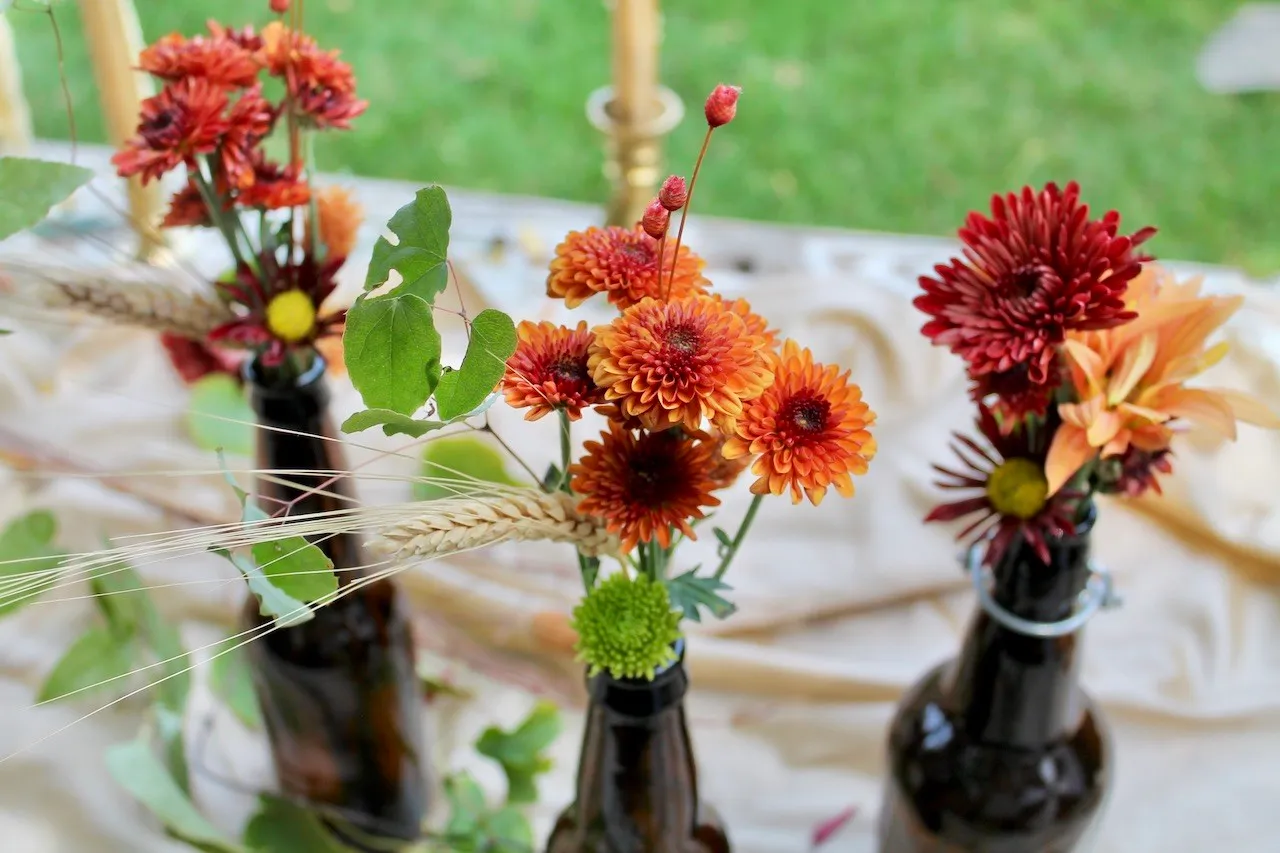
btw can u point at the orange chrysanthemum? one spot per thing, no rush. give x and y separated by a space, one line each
808 430
339 218
669 363
724 471
756 324
623 263
248 122
548 371
182 122
220 60
645 485
187 208
321 87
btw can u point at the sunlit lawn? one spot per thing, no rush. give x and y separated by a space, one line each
895 116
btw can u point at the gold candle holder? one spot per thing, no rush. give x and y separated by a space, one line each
633 151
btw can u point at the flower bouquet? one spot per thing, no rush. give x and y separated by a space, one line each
694 387
1079 351
338 692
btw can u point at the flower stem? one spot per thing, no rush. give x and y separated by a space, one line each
217 214
516 456
739 536
566 451
684 216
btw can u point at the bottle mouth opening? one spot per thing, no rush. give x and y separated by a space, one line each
267 381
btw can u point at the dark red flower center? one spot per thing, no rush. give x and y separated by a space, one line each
682 339
804 415
652 473
161 121
1026 281
569 369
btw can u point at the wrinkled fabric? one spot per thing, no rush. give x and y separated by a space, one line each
841 606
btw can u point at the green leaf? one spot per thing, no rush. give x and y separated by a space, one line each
297 568
26 551
97 656
135 767
520 752
422 231
283 827
467 805
508 830
173 746
231 680
272 601
725 540
121 596
392 352
493 340
460 457
219 417
689 592
392 423
30 188
4 332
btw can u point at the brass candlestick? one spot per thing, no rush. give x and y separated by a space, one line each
633 151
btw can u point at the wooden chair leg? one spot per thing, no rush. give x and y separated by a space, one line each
115 39
15 117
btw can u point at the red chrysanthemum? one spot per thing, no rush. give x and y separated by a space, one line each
645 485
281 311
273 186
678 363
185 120
194 360
246 37
622 263
248 123
1037 268
548 371
808 431
187 208
321 87
1012 395
1009 492
220 60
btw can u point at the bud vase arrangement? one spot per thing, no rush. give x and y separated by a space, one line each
693 388
1080 351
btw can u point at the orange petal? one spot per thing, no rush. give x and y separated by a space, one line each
1249 409
1133 366
1209 409
1104 427
1089 363
1067 455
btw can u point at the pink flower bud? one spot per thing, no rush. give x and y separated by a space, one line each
674 193
722 104
279 6
655 219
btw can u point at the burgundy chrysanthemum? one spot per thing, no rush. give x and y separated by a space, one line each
194 360
187 208
1037 268
281 311
1134 472
185 120
548 371
1009 492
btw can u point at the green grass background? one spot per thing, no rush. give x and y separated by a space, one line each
891 115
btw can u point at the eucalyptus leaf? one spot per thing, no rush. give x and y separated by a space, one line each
392 352
297 568
173 745
280 826
493 340
467 805
27 559
231 680
509 831
520 752
460 457
94 663
30 188
218 416
689 592
421 228
135 767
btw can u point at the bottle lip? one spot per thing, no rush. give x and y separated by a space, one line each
639 697
254 375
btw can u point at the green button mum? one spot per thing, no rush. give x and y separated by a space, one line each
626 627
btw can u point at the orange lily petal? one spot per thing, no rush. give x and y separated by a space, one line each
1089 362
1104 427
1209 409
1068 453
1133 367
1249 409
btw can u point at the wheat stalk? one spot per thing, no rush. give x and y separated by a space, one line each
129 294
462 524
